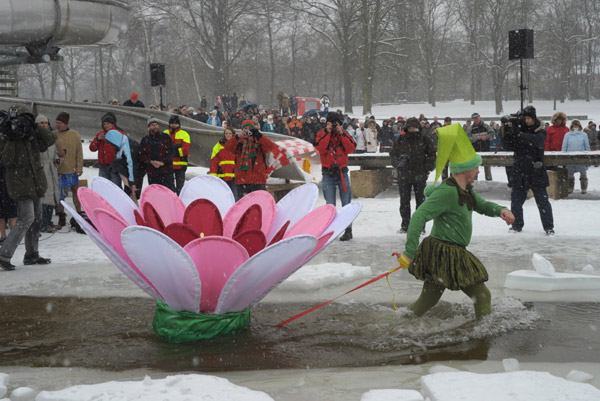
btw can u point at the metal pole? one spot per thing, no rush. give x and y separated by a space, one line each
161 100
522 88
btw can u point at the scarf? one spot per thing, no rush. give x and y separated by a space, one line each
249 147
465 196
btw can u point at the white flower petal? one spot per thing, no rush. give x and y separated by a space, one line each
293 206
208 187
168 267
115 196
259 274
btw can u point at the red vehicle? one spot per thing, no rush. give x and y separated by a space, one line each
307 103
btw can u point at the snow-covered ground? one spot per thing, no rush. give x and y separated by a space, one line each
79 269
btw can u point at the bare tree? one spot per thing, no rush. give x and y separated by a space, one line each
336 21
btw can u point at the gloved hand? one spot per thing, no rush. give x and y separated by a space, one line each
256 133
404 261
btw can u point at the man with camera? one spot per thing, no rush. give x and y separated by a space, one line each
525 134
250 148
413 157
480 134
21 141
334 145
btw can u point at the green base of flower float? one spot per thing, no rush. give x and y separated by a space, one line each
180 327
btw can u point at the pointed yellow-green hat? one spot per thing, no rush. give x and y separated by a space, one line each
455 146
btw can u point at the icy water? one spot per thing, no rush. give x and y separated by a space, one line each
116 334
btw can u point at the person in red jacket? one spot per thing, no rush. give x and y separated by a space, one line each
181 150
556 132
334 145
250 148
222 162
106 151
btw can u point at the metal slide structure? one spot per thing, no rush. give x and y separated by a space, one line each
33 31
86 119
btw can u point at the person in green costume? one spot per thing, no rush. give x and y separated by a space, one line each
442 260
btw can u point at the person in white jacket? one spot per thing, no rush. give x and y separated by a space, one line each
360 136
371 137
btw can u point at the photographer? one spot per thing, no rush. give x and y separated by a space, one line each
525 134
21 142
334 145
413 157
480 134
250 148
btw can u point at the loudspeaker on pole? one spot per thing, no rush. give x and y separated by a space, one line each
520 44
157 74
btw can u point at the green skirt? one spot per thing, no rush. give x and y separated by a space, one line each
183 326
448 264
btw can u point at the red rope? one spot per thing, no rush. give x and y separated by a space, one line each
306 312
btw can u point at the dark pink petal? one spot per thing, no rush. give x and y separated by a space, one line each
180 233
250 220
152 218
253 241
203 217
139 219
279 235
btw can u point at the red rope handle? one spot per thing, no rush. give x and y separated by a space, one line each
306 312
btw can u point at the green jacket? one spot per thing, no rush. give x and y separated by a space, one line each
25 177
451 220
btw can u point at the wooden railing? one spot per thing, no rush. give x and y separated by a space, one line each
374 161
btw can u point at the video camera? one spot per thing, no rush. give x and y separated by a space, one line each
15 126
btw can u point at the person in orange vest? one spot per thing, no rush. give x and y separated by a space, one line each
181 145
222 162
295 127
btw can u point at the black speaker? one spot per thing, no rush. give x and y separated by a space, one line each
157 74
520 44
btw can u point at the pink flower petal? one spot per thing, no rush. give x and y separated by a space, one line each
90 201
252 240
166 203
125 265
267 206
203 216
111 226
314 223
180 233
216 258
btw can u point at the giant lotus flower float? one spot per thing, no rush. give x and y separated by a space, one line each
205 258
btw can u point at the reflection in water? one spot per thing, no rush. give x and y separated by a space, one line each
116 334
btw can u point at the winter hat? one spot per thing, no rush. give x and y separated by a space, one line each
41 118
63 117
248 123
454 145
333 117
529 111
134 97
109 118
577 123
475 115
447 120
174 119
151 120
412 122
